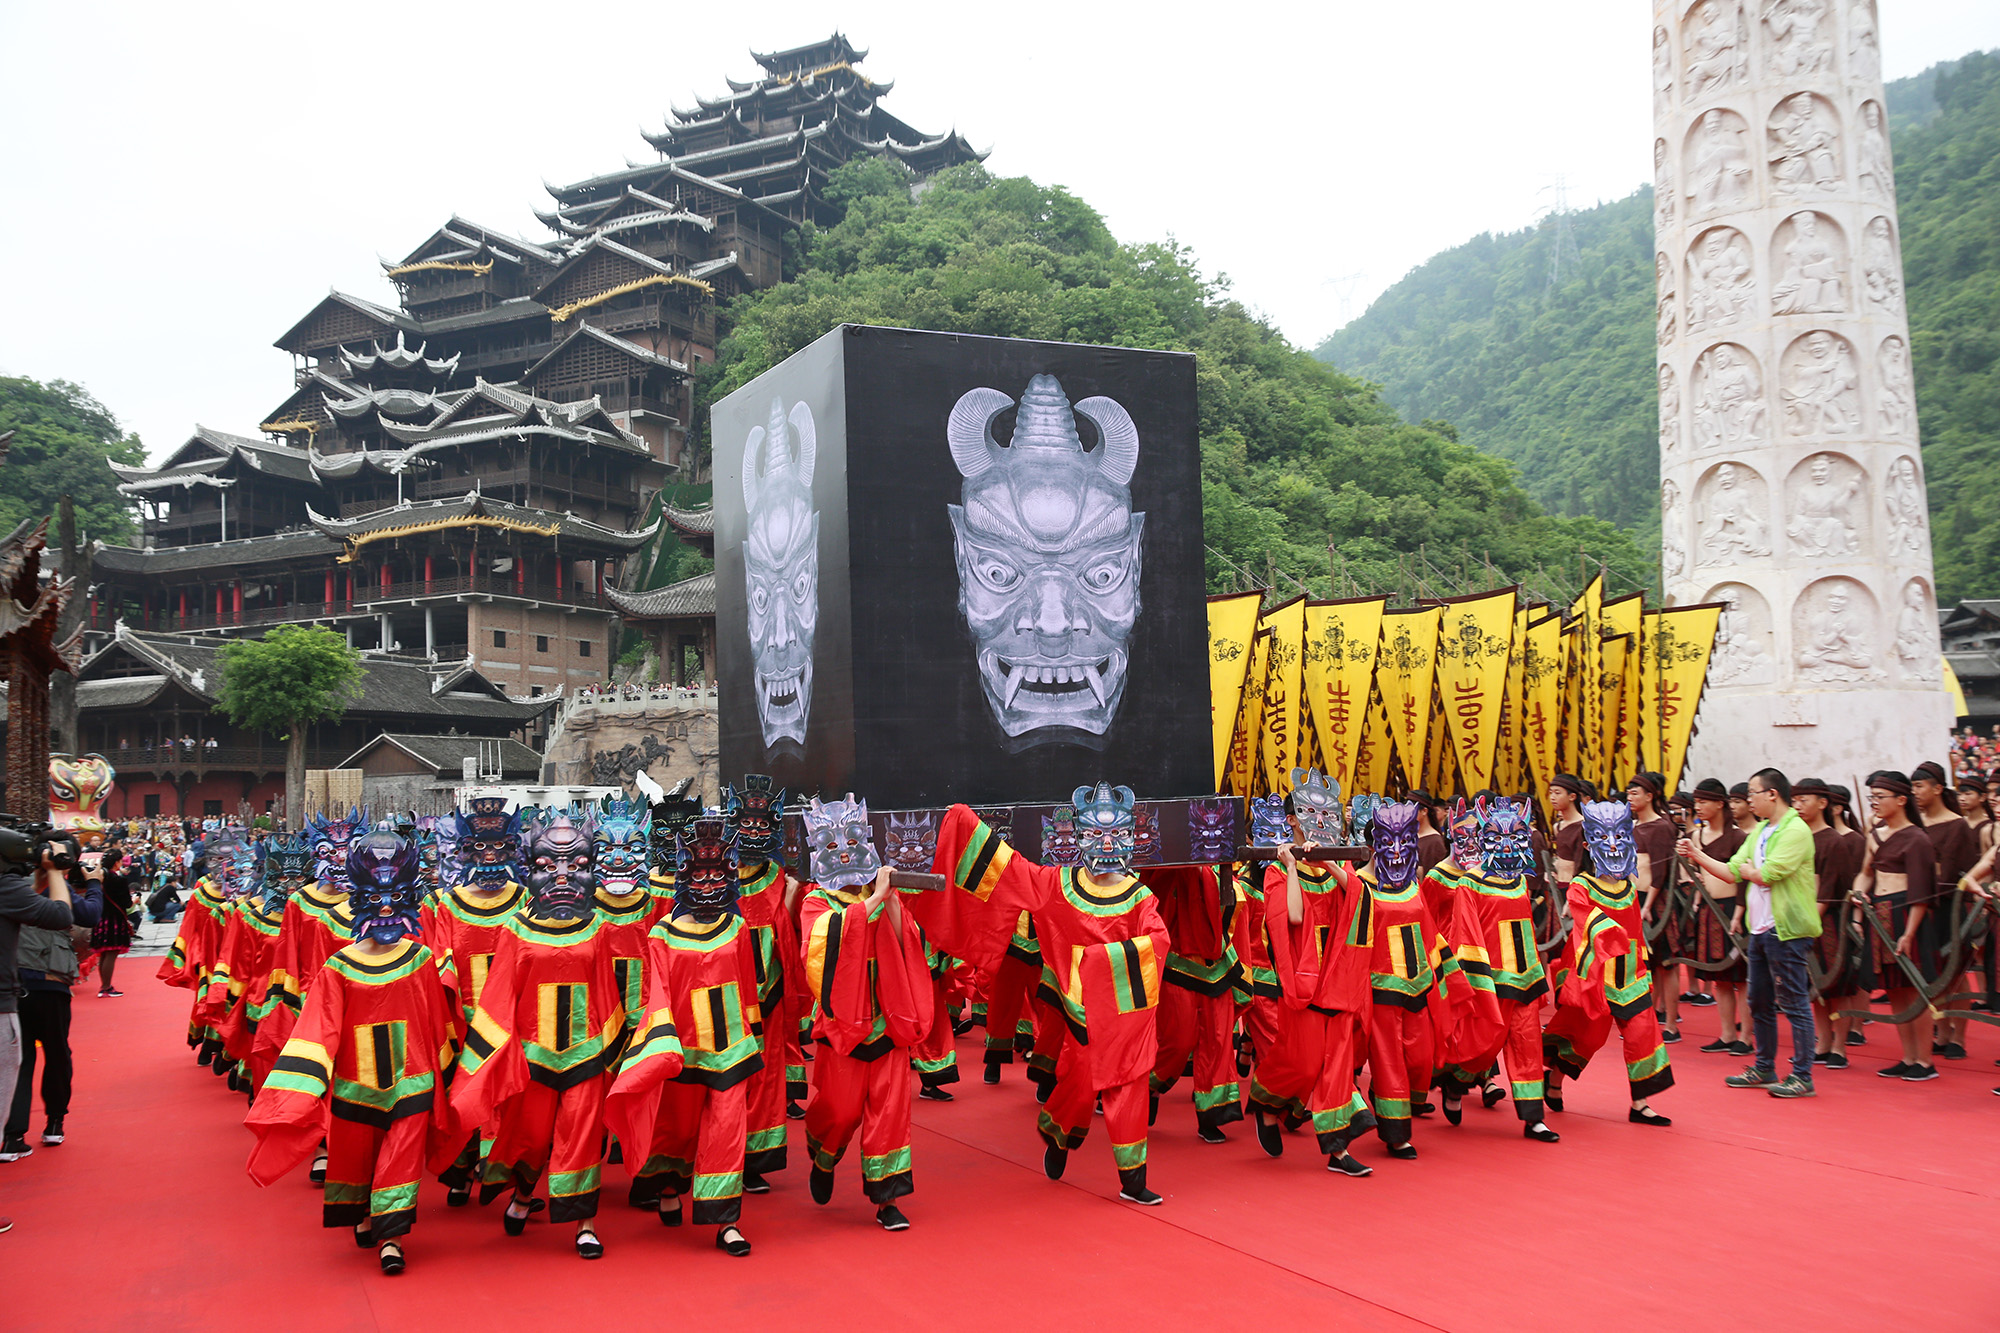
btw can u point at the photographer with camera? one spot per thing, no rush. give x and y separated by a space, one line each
46 967
30 899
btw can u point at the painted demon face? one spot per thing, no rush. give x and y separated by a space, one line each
1268 825
1361 810
1396 844
1316 805
287 865
489 844
622 842
1212 829
1607 831
1060 845
1105 828
672 817
781 569
840 843
705 870
1462 829
758 813
330 839
1506 839
382 871
1145 837
560 882
1048 557
912 840
231 864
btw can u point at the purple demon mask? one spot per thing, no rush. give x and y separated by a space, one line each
1106 829
781 569
911 843
560 879
621 842
1268 825
1211 828
1506 839
1396 844
840 843
383 870
330 839
1048 557
705 883
1462 829
1607 831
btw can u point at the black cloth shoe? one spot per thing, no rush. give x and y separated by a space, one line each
1540 1133
1834 1060
1269 1137
1132 1188
1348 1165
1403 1152
513 1225
891 1218
932 1094
1951 1051
1244 1050
754 1183
1054 1162
1670 1036
670 1217
1920 1073
390 1256
1210 1134
588 1246
364 1237
1857 1039
793 1111
1553 1099
1423 1108
819 1184
1454 1110
1717 1047
457 1196
1698 1000
992 1074
1896 1070
1492 1095
737 1248
52 1133
1740 1048
1648 1117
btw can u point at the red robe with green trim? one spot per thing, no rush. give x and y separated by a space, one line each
1490 925
624 923
247 949
1319 962
198 943
551 1012
870 983
316 926
464 933
1106 949
703 1024
371 1046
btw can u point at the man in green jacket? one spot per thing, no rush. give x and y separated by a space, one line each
1781 906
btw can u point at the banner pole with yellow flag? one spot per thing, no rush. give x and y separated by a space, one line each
1341 639
1589 718
1475 639
1406 674
1244 744
1232 623
1280 733
1681 648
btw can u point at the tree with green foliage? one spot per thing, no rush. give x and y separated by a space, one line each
283 683
1558 376
62 439
1309 479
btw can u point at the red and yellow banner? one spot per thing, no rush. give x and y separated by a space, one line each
1475 638
1232 623
1282 710
1245 746
1681 648
1341 639
1406 673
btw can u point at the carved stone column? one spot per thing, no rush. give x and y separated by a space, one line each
1791 481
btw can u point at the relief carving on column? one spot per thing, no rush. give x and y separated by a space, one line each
1874 168
1864 45
1798 37
1670 411
1715 49
1821 383
1663 70
1667 319
1728 396
1918 655
1834 634
1896 401
1673 556
1803 146
1743 651
1881 269
1732 505
1909 519
1663 186
1809 253
1826 515
1722 280
1720 171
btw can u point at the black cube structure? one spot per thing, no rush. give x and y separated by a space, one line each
954 568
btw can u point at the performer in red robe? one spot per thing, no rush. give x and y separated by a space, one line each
683 1085
197 948
872 1001
757 815
365 1064
1010 993
544 1040
248 946
1198 1006
1258 999
1105 948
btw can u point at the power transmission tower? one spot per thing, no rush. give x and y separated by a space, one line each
1562 240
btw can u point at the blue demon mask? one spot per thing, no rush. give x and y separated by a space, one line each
1106 829
382 868
230 862
488 844
1506 839
1607 831
330 839
622 842
1268 825
287 866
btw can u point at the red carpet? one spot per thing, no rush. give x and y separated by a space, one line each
1748 1213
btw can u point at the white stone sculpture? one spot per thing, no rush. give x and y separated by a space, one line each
1670 412
1874 169
1804 146
1720 168
1836 642
1812 278
1740 656
1798 37
1881 269
1716 46
1909 521
1864 47
1822 388
1896 400
1663 184
1917 653
1825 512
1733 526
1728 398
1663 69
1670 496
1722 280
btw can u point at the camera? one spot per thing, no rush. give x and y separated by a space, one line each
22 842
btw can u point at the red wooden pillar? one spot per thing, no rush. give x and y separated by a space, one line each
520 575
93 610
329 590
385 578
427 572
184 603
559 585
350 587
236 599
218 601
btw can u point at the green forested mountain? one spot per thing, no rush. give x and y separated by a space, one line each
1295 453
1552 368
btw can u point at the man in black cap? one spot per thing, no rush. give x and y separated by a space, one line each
1567 792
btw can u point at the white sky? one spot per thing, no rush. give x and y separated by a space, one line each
179 183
